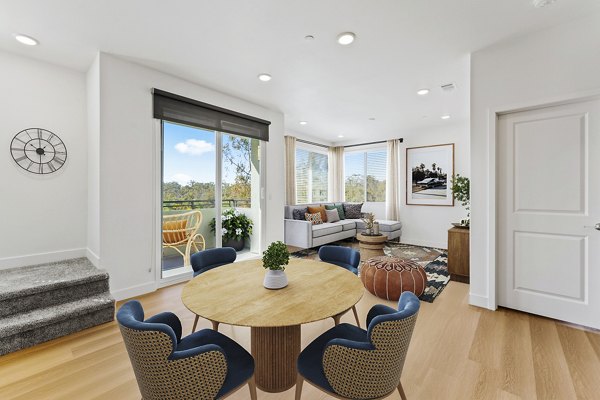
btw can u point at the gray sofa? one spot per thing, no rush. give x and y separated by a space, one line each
303 234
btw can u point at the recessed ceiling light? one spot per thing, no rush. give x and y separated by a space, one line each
445 116
542 3
340 136
372 119
303 122
309 37
24 39
346 38
422 92
264 77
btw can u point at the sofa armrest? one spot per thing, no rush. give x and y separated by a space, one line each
298 233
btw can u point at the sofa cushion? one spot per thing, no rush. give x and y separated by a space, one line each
326 229
348 224
298 213
338 207
318 209
332 215
353 210
389 226
314 219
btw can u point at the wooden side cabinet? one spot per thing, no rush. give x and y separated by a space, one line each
458 254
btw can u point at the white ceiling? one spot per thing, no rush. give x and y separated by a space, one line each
401 46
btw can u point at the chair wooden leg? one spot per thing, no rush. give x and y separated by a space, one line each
195 324
356 316
299 383
252 387
401 391
215 325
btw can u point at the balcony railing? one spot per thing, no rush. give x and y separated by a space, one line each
196 204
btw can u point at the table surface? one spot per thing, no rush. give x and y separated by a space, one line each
234 294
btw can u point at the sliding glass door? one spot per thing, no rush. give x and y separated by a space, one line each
208 180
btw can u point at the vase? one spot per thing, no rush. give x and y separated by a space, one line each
376 228
237 244
275 279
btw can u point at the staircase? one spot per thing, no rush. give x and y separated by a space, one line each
42 302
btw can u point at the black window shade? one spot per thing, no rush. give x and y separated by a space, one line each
179 109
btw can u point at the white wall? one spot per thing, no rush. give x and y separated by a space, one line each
428 225
128 186
43 217
93 176
540 68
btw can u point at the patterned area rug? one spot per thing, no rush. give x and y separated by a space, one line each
434 261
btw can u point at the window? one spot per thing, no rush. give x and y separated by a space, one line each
311 175
365 175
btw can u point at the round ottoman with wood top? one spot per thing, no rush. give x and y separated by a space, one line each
387 277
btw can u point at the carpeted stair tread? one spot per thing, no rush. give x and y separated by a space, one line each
38 318
29 280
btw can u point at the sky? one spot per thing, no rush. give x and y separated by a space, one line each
430 155
189 154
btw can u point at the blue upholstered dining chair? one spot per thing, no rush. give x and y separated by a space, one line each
205 260
203 365
344 257
351 363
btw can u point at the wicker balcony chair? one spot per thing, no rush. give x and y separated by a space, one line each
182 230
348 362
204 365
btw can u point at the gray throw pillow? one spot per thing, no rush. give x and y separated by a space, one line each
332 215
298 213
339 207
353 210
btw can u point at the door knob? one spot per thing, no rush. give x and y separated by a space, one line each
596 227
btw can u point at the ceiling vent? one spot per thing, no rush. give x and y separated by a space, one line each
448 87
542 3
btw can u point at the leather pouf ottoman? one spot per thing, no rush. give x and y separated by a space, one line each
387 277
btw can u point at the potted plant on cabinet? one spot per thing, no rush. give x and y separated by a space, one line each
461 192
275 258
235 229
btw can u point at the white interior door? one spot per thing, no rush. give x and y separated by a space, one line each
548 204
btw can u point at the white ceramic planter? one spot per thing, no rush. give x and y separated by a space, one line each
275 279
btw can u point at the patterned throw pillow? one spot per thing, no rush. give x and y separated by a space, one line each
318 209
332 215
339 208
298 213
314 219
352 210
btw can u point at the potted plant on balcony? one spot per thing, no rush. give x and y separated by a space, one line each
275 258
461 192
235 228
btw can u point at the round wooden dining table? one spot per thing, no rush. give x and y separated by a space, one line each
234 294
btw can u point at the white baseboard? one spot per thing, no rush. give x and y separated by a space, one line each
93 257
479 301
134 291
424 243
41 258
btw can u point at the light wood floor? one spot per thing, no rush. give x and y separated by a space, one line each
457 352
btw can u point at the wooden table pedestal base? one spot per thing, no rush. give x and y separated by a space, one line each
275 351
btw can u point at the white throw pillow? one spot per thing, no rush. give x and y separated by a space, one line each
332 215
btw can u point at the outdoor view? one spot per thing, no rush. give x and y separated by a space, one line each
190 179
311 176
369 164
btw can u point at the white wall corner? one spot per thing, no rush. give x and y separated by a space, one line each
93 257
133 291
41 258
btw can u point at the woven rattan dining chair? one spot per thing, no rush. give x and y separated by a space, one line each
182 230
203 365
344 257
348 362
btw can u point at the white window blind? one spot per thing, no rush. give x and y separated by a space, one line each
311 176
365 173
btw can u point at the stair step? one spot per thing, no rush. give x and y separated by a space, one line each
43 324
26 288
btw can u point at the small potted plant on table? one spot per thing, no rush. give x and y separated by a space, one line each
461 192
235 229
275 258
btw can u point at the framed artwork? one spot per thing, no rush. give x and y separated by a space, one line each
429 171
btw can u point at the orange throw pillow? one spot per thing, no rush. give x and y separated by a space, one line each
174 237
319 209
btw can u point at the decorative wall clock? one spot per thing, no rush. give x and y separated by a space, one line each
38 151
